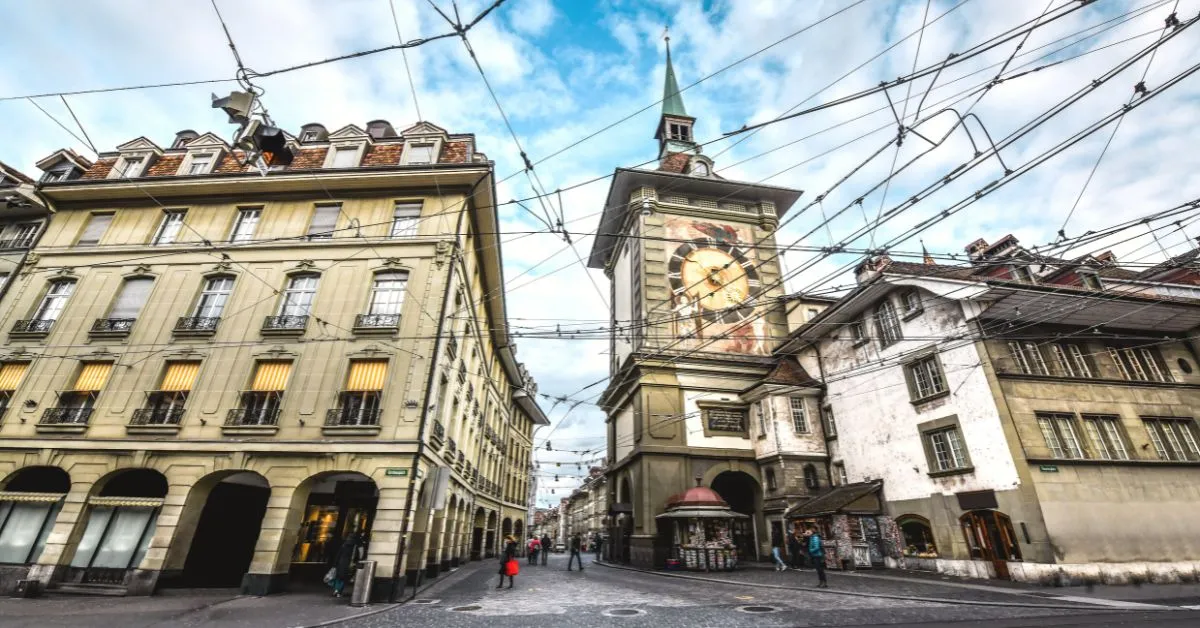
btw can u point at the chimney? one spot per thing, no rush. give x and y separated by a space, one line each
871 267
975 249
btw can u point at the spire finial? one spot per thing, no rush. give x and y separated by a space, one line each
672 100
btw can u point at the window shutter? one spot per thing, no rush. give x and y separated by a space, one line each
133 296
95 228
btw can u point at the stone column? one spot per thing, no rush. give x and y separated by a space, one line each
144 578
433 560
385 538
414 571
276 538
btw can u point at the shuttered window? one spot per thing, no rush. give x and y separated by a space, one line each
96 226
366 375
271 376
11 374
134 293
180 376
93 376
323 221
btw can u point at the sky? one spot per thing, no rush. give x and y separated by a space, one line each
579 82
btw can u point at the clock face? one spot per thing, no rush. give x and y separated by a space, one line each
717 277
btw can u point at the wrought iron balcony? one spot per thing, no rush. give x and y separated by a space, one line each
351 416
197 324
33 326
157 416
66 416
113 326
252 416
285 323
377 321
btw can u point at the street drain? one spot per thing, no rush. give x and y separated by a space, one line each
759 609
623 612
424 601
472 607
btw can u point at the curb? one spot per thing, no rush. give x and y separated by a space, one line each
1074 607
454 576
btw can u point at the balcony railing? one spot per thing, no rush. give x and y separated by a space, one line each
351 416
113 325
252 416
66 416
285 323
377 321
157 416
33 326
197 324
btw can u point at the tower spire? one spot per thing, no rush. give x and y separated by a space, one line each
672 99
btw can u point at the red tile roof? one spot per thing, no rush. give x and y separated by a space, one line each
382 155
100 169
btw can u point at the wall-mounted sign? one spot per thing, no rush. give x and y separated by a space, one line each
394 472
1048 468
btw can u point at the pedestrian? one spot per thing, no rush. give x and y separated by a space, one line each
776 549
796 549
535 546
576 542
508 562
546 544
816 551
597 543
348 554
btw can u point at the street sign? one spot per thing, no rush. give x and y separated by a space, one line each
1048 468
394 471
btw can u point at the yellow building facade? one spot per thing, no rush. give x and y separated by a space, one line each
218 377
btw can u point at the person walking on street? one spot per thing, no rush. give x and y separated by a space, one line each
776 548
508 562
547 546
796 550
535 546
597 543
347 556
816 551
576 543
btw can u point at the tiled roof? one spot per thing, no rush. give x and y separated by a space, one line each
834 500
942 271
454 153
100 169
1174 263
789 372
165 166
382 155
14 173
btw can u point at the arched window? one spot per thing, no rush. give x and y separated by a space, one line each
918 536
886 323
811 480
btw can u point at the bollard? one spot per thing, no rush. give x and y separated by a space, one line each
361 596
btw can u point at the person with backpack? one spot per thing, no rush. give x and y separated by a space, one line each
535 546
816 551
576 543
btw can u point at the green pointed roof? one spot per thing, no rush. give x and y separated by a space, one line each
672 99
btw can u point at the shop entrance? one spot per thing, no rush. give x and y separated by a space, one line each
477 535
223 544
990 536
121 520
339 504
741 492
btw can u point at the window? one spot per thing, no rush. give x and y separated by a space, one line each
57 174
420 154
700 169
839 470
132 297
24 527
405 218
811 314
131 167
925 378
387 295
360 400
1058 428
760 409
95 228
298 298
1020 273
946 449
310 136
19 236
1071 360
345 157
799 414
165 406
1091 281
169 229
827 420
811 480
1173 438
1104 436
912 302
886 324
260 404
1140 363
771 483
680 132
55 300
213 297
200 164
1028 358
323 221
857 332
11 374
245 225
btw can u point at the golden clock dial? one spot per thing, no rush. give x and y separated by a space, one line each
714 279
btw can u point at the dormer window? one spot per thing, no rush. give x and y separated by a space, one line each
129 166
700 169
58 174
420 153
200 164
1091 281
1020 272
310 136
344 157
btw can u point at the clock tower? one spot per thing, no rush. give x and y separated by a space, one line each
695 313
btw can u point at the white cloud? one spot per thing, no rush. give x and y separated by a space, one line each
532 17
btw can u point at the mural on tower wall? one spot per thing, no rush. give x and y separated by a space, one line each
712 272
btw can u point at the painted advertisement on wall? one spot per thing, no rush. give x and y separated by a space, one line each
712 272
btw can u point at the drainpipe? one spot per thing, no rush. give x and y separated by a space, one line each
416 463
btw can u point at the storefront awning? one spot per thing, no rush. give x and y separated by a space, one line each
702 513
18 496
859 498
